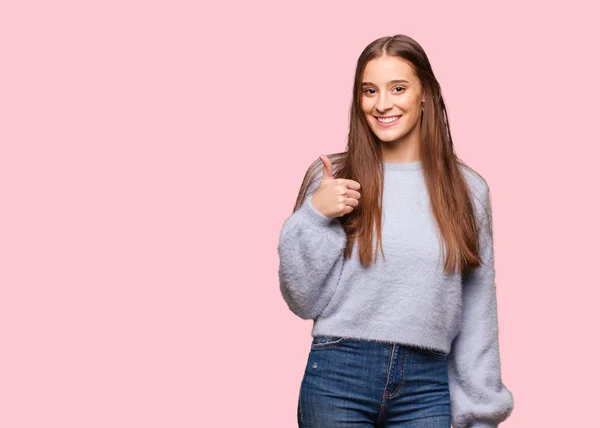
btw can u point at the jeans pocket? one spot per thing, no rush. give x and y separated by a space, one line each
319 342
440 355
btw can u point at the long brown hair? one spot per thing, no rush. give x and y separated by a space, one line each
448 190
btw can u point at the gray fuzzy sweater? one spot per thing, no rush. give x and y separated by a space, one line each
406 298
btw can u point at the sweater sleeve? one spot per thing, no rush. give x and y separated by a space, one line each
478 397
311 254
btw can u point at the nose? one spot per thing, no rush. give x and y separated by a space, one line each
384 102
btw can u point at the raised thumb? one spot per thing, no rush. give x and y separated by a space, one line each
327 172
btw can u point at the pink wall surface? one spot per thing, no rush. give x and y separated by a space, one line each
151 151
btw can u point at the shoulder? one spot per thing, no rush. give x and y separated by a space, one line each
477 184
480 193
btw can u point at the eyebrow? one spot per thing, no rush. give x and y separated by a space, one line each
389 83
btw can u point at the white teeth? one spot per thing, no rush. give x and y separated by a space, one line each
388 119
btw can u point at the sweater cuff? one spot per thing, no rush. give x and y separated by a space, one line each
313 215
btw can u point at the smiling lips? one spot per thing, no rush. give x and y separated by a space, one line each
388 121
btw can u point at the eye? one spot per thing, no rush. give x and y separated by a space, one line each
366 91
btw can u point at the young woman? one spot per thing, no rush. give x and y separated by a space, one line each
408 337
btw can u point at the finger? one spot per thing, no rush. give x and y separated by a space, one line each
327 171
348 209
351 202
350 184
352 194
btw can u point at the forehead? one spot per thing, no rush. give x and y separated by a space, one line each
381 70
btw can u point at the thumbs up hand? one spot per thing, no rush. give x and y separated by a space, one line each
335 197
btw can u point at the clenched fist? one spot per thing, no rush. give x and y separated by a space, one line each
335 197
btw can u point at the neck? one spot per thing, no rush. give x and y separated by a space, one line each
405 149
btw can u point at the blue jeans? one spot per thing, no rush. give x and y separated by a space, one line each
359 383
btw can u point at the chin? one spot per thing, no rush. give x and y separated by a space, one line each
390 138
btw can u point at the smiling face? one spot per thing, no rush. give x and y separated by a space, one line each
391 99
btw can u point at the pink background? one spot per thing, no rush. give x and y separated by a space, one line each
152 150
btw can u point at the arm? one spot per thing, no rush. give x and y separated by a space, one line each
478 397
311 249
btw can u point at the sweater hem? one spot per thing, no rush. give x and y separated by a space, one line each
410 335
483 425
